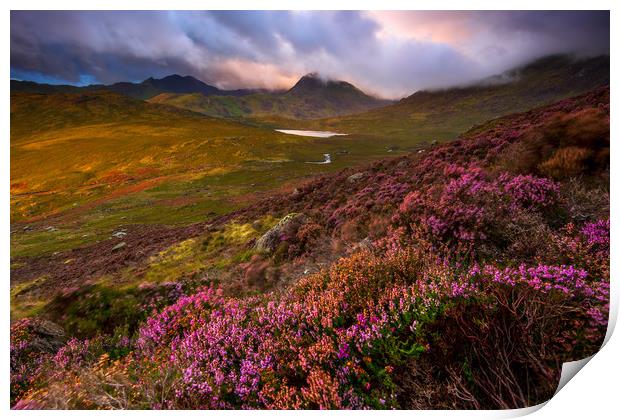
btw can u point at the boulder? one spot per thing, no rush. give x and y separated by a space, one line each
364 245
119 234
119 246
45 336
289 224
356 177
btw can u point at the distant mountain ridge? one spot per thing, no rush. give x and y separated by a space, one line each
144 90
311 97
538 83
338 103
555 72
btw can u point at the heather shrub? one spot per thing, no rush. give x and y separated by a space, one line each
32 342
354 328
500 349
259 273
588 128
473 208
583 202
523 157
301 241
63 372
277 351
88 379
101 308
585 246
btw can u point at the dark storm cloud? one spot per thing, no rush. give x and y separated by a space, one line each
391 53
522 34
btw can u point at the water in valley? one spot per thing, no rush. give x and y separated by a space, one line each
310 133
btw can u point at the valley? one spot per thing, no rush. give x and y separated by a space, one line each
136 162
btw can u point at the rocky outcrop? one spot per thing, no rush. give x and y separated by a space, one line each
288 225
356 177
43 336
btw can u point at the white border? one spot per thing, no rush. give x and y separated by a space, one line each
592 394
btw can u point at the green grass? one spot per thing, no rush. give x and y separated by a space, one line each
22 306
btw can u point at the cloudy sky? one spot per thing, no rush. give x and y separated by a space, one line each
387 53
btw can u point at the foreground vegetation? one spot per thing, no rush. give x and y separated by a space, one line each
459 277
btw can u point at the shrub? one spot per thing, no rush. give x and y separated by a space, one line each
566 162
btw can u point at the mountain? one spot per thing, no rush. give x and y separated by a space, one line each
313 88
146 89
542 80
182 84
443 113
310 97
33 87
314 84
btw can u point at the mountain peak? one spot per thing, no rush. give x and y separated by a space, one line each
312 75
315 82
179 77
176 83
309 81
172 78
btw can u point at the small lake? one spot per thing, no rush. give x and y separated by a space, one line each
310 133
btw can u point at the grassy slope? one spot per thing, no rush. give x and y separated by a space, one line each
88 163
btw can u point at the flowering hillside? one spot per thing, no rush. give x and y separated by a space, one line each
462 276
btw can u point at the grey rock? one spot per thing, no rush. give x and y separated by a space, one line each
356 177
119 246
46 336
273 237
364 245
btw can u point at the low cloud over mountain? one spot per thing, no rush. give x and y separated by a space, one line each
387 53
